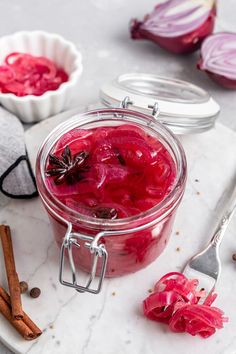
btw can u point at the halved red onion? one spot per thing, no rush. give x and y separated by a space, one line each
179 26
175 302
218 58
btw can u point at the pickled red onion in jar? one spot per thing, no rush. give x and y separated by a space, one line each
116 179
110 172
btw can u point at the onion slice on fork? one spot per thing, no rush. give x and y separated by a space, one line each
175 302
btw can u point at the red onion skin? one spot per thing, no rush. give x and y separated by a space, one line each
219 79
185 44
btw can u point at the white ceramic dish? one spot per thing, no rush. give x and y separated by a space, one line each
64 53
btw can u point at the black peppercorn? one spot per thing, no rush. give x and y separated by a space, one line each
23 287
35 292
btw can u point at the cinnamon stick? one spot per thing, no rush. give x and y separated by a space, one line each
12 277
26 327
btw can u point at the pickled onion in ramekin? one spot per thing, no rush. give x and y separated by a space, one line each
24 74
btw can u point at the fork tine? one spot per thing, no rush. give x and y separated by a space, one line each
205 281
206 266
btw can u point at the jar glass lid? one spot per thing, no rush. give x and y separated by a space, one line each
183 107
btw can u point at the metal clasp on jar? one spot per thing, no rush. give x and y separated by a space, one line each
127 102
70 241
97 249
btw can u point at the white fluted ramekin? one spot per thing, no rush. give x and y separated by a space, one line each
63 53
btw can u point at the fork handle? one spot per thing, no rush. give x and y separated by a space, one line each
225 220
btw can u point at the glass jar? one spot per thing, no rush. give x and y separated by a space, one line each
116 247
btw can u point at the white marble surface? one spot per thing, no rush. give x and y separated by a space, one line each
99 29
112 322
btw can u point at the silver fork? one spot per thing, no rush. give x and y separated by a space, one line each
206 266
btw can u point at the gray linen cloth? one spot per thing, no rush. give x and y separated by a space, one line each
16 175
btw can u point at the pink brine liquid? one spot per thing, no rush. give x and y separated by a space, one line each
113 172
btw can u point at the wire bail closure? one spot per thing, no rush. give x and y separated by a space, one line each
71 241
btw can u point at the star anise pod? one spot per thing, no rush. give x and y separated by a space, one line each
105 213
67 168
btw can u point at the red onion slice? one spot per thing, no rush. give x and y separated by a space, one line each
177 25
218 58
12 57
6 74
175 302
197 320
